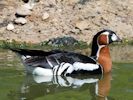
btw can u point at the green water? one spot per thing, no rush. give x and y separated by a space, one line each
16 85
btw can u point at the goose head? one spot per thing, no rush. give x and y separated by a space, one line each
103 38
100 48
107 37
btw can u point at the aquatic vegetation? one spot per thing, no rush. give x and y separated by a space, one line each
42 45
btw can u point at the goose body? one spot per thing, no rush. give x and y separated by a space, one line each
64 63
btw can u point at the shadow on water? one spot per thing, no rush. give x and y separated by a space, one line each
92 87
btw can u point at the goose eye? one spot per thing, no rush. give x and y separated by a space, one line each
113 37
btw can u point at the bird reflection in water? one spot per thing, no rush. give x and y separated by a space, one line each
39 86
103 87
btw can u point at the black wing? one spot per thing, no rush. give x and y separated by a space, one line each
35 52
71 57
39 58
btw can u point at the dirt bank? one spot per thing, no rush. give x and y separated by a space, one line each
81 19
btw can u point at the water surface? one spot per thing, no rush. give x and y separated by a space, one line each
16 85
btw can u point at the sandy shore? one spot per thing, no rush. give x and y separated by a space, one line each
80 19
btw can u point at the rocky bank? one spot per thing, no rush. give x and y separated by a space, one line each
39 20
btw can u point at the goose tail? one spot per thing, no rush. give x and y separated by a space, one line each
22 53
33 52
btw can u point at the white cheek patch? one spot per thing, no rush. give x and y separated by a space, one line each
114 37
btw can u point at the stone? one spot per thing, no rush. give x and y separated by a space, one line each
82 25
23 11
29 6
45 16
21 20
62 41
10 27
73 1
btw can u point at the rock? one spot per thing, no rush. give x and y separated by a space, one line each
82 25
21 20
29 6
23 11
45 16
10 27
62 41
73 1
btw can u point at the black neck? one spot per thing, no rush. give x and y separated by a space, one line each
95 44
94 49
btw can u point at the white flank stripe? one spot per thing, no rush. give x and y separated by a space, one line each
42 72
63 67
49 62
23 57
85 66
57 61
55 69
28 56
69 70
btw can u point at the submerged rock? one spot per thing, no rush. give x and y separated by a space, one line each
62 41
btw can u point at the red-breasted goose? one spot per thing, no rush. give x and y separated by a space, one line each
57 62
